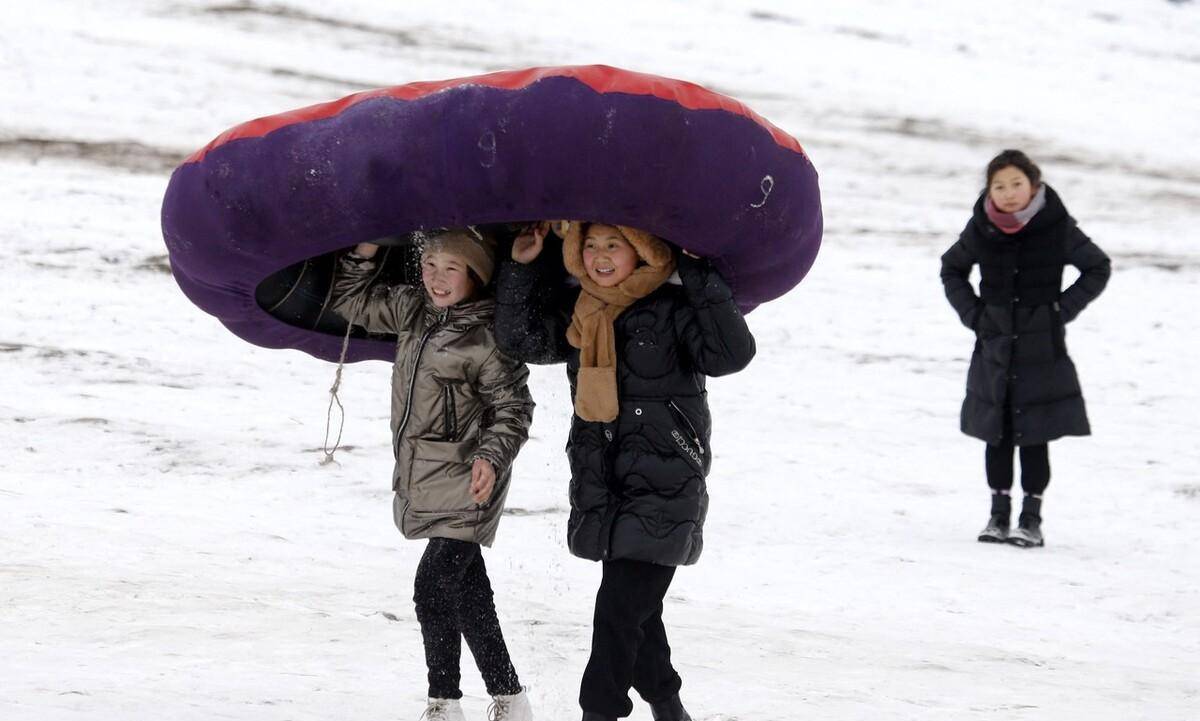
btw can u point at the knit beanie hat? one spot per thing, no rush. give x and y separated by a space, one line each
476 248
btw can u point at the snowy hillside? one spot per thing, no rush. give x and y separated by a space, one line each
171 549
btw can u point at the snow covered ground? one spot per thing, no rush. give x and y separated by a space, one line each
170 549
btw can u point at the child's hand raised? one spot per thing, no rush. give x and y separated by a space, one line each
528 245
483 480
366 250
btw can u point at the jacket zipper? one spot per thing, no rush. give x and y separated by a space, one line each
610 515
688 422
412 379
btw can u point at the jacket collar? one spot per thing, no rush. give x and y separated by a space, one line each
460 316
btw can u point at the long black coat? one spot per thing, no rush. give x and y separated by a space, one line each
1020 373
638 487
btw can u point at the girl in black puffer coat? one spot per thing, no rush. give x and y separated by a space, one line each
638 349
1022 389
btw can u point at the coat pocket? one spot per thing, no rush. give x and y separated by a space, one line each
440 478
690 440
1058 331
449 413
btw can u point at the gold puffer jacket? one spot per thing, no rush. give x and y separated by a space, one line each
455 398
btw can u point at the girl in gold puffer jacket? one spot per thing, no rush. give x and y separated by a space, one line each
460 412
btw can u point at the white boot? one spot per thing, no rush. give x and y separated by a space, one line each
510 708
443 709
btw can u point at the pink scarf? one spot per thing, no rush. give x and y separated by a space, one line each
1009 223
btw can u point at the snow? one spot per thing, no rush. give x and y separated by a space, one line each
170 547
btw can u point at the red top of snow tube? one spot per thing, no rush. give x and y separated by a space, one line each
601 78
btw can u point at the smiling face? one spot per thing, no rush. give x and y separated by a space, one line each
607 257
446 278
1010 189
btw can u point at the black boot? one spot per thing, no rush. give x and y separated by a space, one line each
670 710
996 531
592 716
1029 524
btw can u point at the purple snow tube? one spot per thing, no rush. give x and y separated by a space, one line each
252 221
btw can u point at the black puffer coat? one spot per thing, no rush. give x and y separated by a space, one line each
637 487
1020 371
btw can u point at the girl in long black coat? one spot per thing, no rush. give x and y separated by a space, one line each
638 493
1022 388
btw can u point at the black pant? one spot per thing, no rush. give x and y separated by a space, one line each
454 600
1035 462
1035 466
629 642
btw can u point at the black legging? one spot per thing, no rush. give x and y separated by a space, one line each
1035 463
629 641
454 600
1035 467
